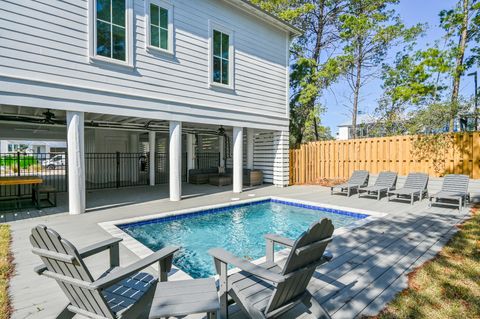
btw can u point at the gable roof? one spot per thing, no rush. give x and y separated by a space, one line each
362 118
249 7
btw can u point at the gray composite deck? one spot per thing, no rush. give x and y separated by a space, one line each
369 267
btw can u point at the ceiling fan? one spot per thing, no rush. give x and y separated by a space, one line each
221 131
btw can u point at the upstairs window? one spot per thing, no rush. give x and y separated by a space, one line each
159 25
111 29
221 56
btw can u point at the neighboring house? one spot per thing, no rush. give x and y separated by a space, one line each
32 147
369 126
365 123
121 73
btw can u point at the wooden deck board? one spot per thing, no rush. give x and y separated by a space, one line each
369 266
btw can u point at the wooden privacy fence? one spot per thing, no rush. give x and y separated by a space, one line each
460 154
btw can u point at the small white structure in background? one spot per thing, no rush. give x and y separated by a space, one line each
202 65
364 125
32 146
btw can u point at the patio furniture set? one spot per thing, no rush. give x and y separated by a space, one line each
39 191
221 176
131 293
454 191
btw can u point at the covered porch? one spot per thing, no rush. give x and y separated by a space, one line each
114 151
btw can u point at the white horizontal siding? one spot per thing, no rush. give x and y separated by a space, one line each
47 42
271 156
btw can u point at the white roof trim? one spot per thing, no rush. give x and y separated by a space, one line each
247 6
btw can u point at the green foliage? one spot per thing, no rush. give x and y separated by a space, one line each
6 270
313 67
411 81
12 161
368 29
447 286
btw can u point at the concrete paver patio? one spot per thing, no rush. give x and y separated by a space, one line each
369 267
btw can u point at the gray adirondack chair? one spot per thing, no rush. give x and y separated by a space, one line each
118 293
454 188
270 290
415 185
357 180
385 182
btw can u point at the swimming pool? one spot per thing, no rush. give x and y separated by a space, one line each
238 228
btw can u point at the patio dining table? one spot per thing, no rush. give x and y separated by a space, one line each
35 181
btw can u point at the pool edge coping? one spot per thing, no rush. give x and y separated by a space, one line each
142 251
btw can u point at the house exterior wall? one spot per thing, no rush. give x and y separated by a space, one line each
343 133
45 63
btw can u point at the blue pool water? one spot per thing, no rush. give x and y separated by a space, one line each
238 229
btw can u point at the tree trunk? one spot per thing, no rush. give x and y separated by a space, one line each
356 93
316 57
459 64
317 136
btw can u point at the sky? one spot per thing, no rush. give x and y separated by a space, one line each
412 12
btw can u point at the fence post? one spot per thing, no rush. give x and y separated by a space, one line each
18 164
118 169
19 192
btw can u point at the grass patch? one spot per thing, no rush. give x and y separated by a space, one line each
12 161
6 270
447 286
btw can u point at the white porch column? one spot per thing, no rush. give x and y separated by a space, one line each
250 145
237 159
76 162
151 161
282 159
190 154
175 153
221 149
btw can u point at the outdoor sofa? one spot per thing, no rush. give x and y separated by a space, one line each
415 186
202 175
251 177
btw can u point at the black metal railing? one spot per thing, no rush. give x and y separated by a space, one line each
162 168
51 167
208 160
115 170
102 170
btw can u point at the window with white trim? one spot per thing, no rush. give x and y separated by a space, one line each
110 31
159 25
221 56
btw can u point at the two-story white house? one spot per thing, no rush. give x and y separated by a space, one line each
113 72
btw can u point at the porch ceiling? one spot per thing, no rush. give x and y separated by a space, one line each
39 117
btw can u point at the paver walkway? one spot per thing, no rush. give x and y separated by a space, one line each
369 266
